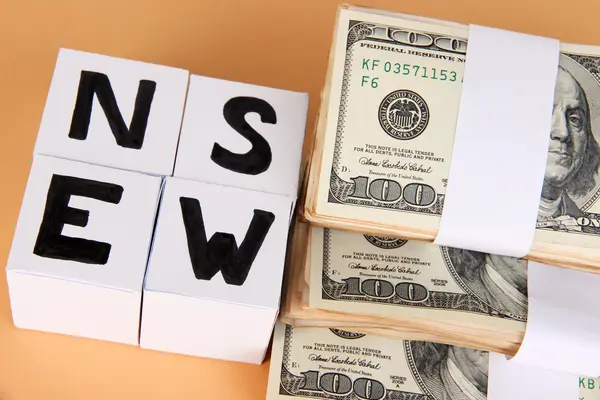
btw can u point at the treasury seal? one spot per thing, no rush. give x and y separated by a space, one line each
384 242
403 114
346 334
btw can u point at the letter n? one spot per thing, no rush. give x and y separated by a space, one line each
91 83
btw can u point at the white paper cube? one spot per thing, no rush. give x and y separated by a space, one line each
242 135
210 317
89 90
61 282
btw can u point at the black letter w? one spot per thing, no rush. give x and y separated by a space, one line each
221 252
95 82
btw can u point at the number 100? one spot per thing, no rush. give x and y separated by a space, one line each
390 191
341 384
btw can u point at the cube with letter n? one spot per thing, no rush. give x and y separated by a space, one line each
114 112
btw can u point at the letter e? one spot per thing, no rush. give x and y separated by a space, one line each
50 242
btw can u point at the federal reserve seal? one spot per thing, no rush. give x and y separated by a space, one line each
403 114
384 242
346 334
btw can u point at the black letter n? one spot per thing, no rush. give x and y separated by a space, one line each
50 242
221 252
95 82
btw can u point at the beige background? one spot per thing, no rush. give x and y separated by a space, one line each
277 43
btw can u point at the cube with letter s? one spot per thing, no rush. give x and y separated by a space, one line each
242 135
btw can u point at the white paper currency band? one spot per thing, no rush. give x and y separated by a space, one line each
561 340
508 380
501 142
563 321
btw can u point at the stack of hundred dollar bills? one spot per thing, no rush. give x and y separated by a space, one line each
405 289
385 134
372 309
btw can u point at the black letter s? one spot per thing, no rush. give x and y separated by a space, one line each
258 159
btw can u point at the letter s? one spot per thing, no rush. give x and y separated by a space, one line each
258 159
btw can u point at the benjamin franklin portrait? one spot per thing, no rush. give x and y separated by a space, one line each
451 372
498 281
573 154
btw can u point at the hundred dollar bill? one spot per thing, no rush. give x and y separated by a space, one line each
385 138
589 388
396 278
321 363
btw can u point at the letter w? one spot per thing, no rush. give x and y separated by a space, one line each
95 82
221 252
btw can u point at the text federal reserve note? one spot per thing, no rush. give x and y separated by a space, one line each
322 363
389 277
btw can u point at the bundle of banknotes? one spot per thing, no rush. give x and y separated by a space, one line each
371 308
332 363
384 139
372 317
328 363
404 289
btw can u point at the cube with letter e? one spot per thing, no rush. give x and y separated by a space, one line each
79 252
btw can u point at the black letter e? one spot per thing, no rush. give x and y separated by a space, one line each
50 242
